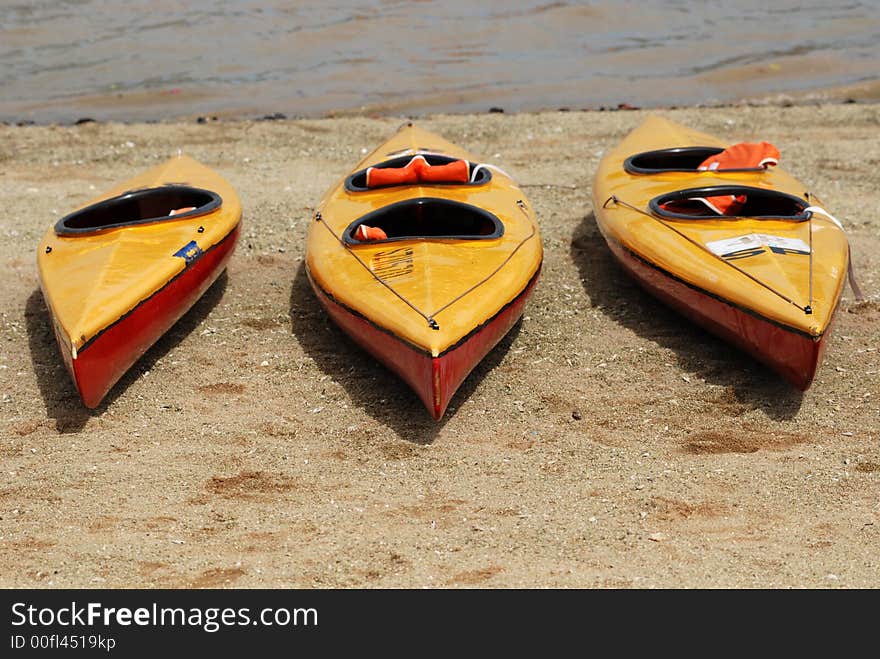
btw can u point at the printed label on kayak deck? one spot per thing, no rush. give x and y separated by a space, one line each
393 264
189 252
754 243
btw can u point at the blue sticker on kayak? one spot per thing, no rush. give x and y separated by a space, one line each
189 252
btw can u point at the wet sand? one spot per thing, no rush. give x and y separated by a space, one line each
606 442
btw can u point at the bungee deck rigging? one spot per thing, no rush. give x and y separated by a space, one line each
725 246
807 309
429 317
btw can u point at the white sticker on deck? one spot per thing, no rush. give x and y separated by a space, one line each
754 243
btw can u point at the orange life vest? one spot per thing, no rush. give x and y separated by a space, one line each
363 232
178 211
726 205
744 155
418 170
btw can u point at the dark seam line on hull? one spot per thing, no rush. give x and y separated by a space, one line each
718 297
492 274
412 346
358 314
430 318
186 269
477 329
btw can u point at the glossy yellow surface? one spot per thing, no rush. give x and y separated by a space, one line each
487 274
649 238
90 281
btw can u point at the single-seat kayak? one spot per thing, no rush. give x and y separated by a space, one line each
746 251
425 258
120 271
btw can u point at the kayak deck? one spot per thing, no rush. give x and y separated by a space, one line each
768 278
117 273
439 291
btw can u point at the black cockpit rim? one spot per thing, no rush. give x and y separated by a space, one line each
431 218
678 159
357 182
778 205
144 206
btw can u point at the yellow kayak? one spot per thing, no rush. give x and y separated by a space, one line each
120 271
425 258
766 276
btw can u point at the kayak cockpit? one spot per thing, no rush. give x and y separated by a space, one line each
427 218
422 168
136 207
731 201
679 159
741 157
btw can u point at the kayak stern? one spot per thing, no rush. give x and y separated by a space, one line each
793 354
96 366
434 378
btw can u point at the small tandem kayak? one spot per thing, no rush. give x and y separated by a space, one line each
425 258
743 250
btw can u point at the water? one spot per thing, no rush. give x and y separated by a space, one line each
108 59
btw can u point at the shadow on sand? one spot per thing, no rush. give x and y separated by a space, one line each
697 351
59 395
371 386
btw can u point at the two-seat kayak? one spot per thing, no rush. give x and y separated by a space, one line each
745 251
425 258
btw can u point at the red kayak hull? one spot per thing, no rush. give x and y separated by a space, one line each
792 354
106 358
434 379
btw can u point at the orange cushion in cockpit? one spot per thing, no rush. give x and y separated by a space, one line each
742 156
418 170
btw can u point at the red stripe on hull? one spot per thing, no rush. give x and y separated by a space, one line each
453 366
106 359
794 356
434 379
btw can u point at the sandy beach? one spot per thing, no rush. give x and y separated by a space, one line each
606 442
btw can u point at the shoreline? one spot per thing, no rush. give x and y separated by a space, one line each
864 93
605 443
